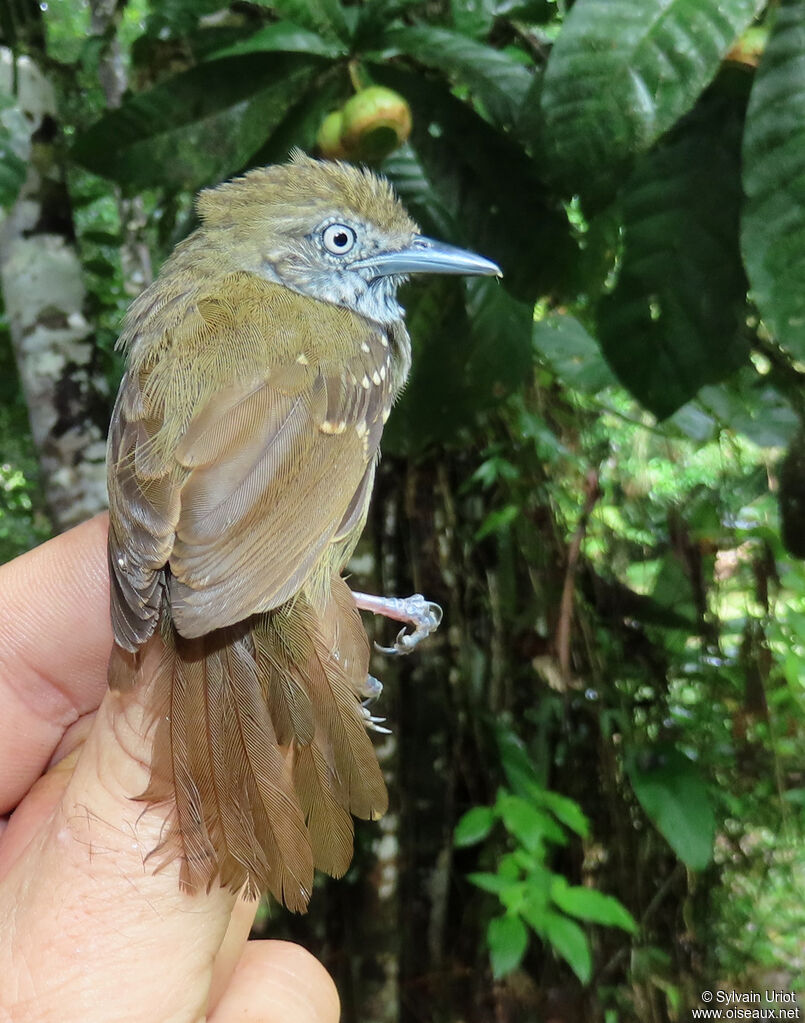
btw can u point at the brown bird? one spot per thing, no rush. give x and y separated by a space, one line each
262 365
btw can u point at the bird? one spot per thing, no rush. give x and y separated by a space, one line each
261 366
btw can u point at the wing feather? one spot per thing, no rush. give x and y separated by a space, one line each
258 467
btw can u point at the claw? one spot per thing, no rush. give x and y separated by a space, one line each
373 723
423 614
415 611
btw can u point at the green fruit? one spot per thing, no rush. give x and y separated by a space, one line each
328 138
375 122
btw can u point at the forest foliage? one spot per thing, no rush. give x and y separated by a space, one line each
599 460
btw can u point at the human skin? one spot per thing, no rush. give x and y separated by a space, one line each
88 930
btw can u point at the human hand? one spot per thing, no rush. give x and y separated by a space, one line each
88 932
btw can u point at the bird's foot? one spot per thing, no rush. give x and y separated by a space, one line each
415 611
371 689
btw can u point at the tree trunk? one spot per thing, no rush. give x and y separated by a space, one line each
40 276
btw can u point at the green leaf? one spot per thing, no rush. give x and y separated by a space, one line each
674 796
748 404
471 348
517 765
497 521
374 20
499 81
774 181
567 811
197 127
498 356
495 884
674 321
474 826
473 17
570 942
284 37
528 823
415 190
622 72
435 403
573 354
302 120
325 17
592 905
491 190
507 940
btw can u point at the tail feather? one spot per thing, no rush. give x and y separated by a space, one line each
329 825
285 695
262 748
278 826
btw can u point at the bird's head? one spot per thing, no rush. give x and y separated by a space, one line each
328 230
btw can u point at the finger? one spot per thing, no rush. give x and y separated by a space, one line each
117 933
55 639
274 982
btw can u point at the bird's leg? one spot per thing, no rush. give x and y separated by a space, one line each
415 611
371 689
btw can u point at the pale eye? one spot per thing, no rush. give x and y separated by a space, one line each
339 239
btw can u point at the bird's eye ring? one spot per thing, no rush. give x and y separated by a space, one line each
339 239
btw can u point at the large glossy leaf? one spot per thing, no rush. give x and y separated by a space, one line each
491 189
495 78
414 189
283 37
774 181
374 20
326 17
622 72
302 120
674 321
671 790
196 127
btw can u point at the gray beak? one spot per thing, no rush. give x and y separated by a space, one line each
426 256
